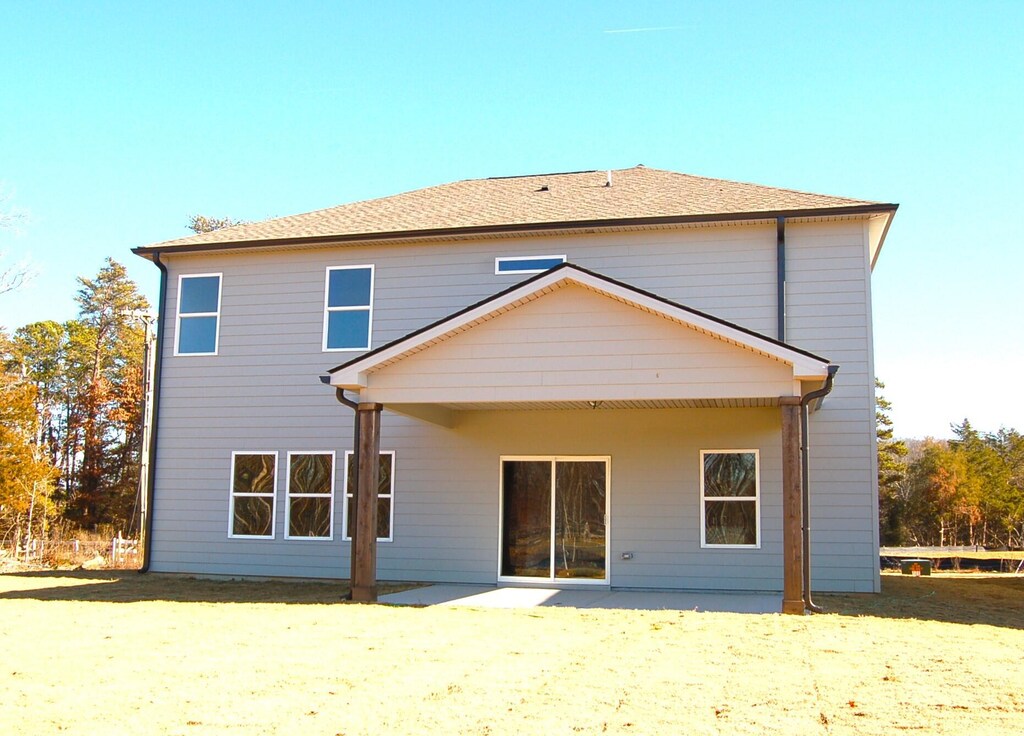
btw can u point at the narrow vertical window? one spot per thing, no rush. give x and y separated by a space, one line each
310 495
730 496
385 496
348 308
198 314
253 494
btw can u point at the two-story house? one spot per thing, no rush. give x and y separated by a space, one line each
590 378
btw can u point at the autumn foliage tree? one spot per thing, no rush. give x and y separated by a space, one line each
87 380
966 491
26 475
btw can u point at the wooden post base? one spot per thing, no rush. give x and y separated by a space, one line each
793 607
364 593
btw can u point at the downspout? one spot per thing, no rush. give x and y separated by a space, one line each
339 394
805 491
147 547
780 271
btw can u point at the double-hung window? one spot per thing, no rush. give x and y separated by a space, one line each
310 495
198 314
253 495
348 308
385 495
730 498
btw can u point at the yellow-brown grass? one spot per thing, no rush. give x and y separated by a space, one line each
103 652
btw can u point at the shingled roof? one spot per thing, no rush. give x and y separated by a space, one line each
635 196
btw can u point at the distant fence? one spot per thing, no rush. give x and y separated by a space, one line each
117 552
954 557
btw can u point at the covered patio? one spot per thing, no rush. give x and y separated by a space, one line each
571 339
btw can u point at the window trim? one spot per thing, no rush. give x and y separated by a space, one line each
368 308
514 259
232 496
554 459
288 496
391 518
731 499
178 315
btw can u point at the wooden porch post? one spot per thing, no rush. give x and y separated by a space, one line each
364 537
792 508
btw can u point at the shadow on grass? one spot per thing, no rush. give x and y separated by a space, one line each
129 586
961 599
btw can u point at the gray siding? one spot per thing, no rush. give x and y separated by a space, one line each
261 392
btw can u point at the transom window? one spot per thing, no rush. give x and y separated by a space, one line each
310 495
527 264
348 307
730 497
198 314
385 496
253 494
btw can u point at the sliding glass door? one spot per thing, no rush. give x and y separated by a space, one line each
554 518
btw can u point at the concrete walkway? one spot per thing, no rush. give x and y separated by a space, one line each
489 596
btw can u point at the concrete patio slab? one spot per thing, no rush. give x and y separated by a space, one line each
489 596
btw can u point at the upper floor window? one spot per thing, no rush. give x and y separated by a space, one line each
198 314
730 496
348 308
527 264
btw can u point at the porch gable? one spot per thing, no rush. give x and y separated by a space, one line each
570 336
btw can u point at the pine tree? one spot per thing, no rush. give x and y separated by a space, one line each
892 472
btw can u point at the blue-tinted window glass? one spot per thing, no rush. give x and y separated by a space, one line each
199 294
528 264
348 329
197 335
348 287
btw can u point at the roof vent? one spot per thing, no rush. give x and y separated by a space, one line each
544 188
608 183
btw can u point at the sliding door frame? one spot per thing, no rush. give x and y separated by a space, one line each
551 580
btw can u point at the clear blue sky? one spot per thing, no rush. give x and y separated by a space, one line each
119 120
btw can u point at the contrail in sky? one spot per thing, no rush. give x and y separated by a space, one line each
647 30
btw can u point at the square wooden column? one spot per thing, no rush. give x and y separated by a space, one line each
792 508
364 534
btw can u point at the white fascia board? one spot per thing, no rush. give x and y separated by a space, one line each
354 375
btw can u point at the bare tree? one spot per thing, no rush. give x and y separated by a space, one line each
18 274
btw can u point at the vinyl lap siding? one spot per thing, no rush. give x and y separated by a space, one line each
262 393
829 314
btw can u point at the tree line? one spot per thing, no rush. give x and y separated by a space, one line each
72 413
965 491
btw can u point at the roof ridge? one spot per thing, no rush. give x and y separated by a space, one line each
509 203
533 176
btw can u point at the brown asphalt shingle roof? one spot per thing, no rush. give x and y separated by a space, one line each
635 193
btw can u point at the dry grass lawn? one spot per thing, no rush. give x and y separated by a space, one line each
108 652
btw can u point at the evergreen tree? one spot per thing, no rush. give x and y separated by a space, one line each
892 471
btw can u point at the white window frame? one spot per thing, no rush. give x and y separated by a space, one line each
232 496
515 259
178 315
289 496
358 308
349 494
756 498
551 579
